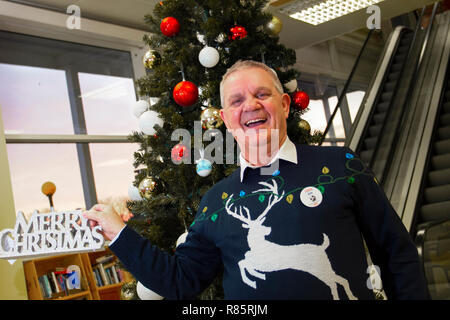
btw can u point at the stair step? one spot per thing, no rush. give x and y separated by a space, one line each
383 107
447 107
439 177
397 66
402 49
387 96
393 76
437 194
435 211
447 95
371 142
400 58
366 156
440 162
378 118
444 133
442 147
444 120
390 86
375 130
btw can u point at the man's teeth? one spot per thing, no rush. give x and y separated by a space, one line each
254 121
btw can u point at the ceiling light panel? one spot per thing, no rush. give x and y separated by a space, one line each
319 11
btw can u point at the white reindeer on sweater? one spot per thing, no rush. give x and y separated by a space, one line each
266 256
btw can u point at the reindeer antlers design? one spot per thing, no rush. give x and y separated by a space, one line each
273 199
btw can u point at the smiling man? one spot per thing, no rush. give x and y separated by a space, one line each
292 232
255 110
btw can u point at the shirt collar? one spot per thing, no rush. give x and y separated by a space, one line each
287 152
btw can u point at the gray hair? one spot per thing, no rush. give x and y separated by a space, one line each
244 64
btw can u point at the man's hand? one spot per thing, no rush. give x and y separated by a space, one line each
103 215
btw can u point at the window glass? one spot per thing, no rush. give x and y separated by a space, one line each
112 164
316 115
33 164
107 103
338 125
34 100
354 100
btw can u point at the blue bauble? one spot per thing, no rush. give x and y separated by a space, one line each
204 167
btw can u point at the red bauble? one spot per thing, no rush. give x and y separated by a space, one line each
300 99
170 26
185 93
237 32
179 152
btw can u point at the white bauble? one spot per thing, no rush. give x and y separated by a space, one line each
146 294
208 57
140 107
148 120
204 167
291 85
133 193
182 238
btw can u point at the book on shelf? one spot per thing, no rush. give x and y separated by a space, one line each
56 283
106 272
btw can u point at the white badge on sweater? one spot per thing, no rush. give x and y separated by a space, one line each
311 197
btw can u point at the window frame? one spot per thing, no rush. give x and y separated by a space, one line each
99 34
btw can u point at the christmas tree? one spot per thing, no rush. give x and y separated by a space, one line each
192 44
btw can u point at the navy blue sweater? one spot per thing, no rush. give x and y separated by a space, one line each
295 234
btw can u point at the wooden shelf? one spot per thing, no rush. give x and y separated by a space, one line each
38 267
74 296
110 286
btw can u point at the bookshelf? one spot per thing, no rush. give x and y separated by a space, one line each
45 277
108 286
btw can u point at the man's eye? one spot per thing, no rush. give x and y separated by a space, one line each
236 102
262 95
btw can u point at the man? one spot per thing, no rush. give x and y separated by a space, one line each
295 233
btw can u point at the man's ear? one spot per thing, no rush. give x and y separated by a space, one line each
286 104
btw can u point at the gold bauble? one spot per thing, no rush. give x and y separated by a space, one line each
126 294
48 188
275 25
210 118
304 125
147 187
151 59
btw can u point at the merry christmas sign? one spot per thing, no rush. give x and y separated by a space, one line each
49 234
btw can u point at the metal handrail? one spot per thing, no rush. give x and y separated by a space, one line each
419 242
347 84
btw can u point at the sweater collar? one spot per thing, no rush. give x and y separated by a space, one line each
287 152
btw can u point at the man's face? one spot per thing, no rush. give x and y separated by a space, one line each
253 108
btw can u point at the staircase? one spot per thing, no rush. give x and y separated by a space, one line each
385 98
436 197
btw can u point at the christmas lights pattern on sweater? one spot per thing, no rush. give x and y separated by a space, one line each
265 256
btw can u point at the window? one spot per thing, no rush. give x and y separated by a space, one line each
66 113
34 100
33 164
355 99
106 102
323 101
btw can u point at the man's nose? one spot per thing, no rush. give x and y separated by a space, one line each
251 104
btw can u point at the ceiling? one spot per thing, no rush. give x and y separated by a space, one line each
295 34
